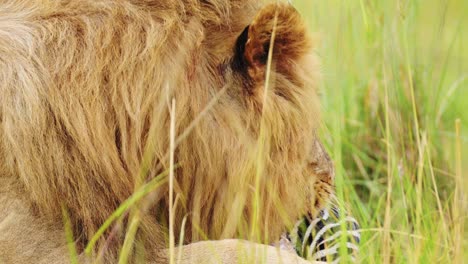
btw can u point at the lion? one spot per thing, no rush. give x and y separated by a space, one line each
90 92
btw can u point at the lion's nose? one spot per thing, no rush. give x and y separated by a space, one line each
320 162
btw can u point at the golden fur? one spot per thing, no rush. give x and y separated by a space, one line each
86 87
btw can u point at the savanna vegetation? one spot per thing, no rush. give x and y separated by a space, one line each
395 106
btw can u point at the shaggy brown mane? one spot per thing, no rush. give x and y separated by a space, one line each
85 92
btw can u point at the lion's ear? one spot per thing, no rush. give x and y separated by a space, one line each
279 23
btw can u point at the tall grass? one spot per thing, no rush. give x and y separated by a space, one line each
395 107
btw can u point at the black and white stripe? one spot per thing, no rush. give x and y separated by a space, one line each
319 239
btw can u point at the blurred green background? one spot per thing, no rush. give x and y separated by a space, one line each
395 83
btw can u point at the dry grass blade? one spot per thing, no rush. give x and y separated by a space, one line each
181 240
171 185
261 142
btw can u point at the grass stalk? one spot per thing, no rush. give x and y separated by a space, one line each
171 185
255 223
69 236
458 200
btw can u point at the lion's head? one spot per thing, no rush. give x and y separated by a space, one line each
87 88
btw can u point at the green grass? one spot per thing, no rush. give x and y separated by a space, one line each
395 84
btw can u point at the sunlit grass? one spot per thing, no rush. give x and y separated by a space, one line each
395 84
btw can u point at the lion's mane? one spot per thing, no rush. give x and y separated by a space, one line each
85 95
